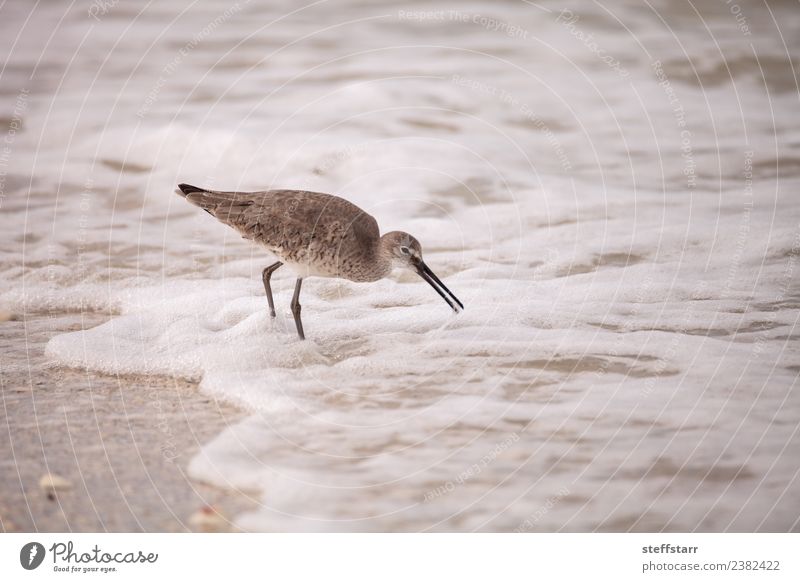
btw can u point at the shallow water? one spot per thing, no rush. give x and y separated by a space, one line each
612 192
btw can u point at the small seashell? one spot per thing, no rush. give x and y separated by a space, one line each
51 484
208 520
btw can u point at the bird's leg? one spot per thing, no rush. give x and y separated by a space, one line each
265 275
296 308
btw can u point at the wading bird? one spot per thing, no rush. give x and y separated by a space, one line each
316 235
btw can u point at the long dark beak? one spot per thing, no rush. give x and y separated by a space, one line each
424 272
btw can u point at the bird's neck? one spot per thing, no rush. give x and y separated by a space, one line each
384 258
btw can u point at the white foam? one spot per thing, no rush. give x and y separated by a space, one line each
627 353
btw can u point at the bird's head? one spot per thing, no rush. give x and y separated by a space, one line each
405 252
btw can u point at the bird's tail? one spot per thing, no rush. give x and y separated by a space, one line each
213 201
232 208
186 189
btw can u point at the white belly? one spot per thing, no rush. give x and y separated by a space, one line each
301 269
304 270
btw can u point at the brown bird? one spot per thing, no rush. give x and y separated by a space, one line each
316 235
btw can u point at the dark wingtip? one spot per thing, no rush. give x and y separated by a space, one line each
188 189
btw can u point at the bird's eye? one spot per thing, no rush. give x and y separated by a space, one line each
405 250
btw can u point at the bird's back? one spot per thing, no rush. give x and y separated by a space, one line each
327 234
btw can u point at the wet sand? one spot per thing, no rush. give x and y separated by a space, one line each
122 443
609 189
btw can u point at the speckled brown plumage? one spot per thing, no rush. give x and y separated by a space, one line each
317 234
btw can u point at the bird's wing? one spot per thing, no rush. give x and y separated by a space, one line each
274 216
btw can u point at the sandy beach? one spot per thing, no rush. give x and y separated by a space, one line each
610 189
122 443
